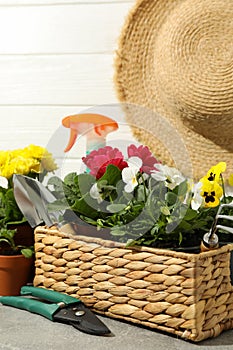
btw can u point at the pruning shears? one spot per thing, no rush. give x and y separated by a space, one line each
57 307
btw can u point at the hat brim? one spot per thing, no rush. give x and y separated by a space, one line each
136 83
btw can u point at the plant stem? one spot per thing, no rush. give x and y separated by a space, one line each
144 186
223 188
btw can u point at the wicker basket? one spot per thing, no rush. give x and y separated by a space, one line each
189 295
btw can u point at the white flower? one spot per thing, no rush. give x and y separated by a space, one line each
171 176
129 174
95 193
197 199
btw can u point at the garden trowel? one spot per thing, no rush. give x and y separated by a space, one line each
25 204
33 199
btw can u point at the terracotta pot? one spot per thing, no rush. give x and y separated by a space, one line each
25 236
14 273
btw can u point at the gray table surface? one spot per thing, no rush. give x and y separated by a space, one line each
20 330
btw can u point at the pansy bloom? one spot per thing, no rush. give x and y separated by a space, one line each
129 174
96 193
171 176
211 192
197 199
215 172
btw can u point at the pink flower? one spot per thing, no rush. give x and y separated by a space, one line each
98 160
148 160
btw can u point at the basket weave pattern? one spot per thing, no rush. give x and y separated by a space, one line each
189 295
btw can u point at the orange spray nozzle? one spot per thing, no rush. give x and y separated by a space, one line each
80 123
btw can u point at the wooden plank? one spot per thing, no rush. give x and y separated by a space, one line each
22 125
56 145
57 80
80 28
59 2
50 117
43 117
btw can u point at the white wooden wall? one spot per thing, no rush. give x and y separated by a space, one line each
56 59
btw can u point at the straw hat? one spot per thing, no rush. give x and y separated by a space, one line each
175 57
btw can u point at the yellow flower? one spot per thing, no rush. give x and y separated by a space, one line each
47 162
40 153
230 180
215 172
4 158
31 159
33 151
211 191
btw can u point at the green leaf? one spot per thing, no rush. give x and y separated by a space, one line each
171 198
7 236
2 239
88 220
27 252
70 179
116 208
182 189
200 224
86 206
12 212
140 193
112 175
184 225
16 222
190 214
180 238
85 182
56 183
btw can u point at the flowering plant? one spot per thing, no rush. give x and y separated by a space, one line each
33 161
142 201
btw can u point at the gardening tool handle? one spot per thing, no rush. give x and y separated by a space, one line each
209 242
32 305
205 248
49 295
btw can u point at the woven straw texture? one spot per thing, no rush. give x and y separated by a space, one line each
189 295
175 58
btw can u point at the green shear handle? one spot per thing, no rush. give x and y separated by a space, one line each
49 295
36 306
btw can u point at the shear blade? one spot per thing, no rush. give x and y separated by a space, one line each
81 318
91 324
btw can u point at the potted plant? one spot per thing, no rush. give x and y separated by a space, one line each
141 201
15 263
148 269
16 236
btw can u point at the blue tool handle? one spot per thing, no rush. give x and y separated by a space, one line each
50 295
32 305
